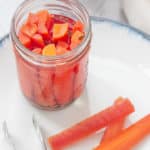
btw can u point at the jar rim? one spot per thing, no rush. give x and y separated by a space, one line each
67 56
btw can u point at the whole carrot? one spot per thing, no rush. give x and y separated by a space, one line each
129 137
90 125
115 127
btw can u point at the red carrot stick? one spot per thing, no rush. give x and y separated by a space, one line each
115 127
129 137
90 125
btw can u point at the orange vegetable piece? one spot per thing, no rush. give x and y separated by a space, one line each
129 137
78 26
43 16
32 19
90 125
37 50
114 128
38 40
77 37
49 50
62 44
29 30
60 30
42 29
61 48
25 40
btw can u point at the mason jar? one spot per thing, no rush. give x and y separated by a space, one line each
52 82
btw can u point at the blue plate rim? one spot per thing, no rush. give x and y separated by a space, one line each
110 21
130 28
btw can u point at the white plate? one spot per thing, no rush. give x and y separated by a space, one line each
119 66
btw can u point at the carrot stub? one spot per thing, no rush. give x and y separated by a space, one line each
90 125
114 128
49 50
60 30
129 137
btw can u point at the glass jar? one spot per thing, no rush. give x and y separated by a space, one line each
52 82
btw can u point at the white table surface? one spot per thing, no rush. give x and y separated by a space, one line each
105 8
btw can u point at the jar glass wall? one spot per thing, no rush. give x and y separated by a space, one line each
52 82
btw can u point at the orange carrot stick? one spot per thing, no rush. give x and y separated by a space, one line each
129 137
115 127
90 125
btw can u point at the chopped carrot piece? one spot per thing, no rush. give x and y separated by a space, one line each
38 40
49 50
42 29
37 50
43 16
60 30
129 137
90 125
62 44
61 47
78 26
29 30
25 40
77 37
60 50
32 19
114 128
